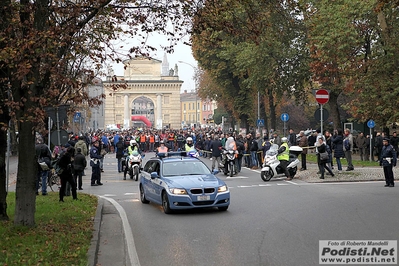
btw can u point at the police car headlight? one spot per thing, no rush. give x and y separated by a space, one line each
178 191
222 188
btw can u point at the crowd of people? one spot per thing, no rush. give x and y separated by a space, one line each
249 149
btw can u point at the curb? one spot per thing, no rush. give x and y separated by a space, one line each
95 241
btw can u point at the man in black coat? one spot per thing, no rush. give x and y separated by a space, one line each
216 149
79 165
388 160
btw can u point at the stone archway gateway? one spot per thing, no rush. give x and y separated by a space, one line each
144 96
143 112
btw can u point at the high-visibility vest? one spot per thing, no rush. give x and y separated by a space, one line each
162 149
285 155
188 148
130 150
142 138
152 139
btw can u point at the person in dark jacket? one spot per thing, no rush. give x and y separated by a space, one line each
388 161
79 165
95 157
241 150
321 148
65 163
43 153
119 150
215 148
337 143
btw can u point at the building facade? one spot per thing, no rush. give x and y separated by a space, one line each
148 95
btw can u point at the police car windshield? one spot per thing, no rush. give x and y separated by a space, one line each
179 168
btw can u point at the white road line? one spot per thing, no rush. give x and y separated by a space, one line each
265 185
237 177
131 248
109 195
278 184
292 182
130 193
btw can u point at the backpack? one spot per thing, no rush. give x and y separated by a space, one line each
347 144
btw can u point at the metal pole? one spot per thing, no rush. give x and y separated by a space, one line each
321 118
258 112
371 147
8 155
58 127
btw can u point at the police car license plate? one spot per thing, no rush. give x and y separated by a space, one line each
199 198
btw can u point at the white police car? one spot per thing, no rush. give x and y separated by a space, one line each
177 181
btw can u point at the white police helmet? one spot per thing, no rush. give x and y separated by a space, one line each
189 139
132 142
284 139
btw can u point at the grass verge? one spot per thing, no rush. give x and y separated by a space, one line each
61 236
356 163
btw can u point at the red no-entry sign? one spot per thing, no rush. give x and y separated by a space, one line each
322 96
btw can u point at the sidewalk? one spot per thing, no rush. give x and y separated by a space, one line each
108 246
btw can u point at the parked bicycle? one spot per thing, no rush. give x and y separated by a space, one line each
53 181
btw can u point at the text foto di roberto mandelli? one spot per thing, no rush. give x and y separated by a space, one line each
358 251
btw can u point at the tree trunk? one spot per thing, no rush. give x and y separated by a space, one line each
25 206
3 176
273 119
332 102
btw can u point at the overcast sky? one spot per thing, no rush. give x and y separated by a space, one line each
182 53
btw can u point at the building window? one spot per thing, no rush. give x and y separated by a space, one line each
166 99
184 107
118 99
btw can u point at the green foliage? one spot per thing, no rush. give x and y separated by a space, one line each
258 47
62 234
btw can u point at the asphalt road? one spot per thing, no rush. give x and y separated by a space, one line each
268 223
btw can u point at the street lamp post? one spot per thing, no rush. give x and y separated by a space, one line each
195 90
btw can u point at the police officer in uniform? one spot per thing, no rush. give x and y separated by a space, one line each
388 160
284 156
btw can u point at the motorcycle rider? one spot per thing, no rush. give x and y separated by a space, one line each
189 146
284 157
230 145
132 149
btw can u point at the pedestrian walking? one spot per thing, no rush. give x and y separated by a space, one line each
361 143
95 164
119 149
337 144
65 163
43 154
321 149
79 165
303 143
348 149
216 149
388 161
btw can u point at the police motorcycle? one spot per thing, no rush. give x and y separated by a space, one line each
229 161
271 165
133 164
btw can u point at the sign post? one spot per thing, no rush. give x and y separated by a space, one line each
371 125
284 117
322 97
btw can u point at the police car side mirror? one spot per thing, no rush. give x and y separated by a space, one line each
154 175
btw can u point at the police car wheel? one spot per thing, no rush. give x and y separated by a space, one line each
165 203
142 195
